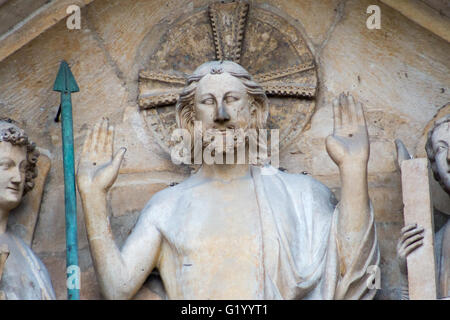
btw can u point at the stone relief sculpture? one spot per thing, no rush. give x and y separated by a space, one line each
22 274
437 149
237 231
263 42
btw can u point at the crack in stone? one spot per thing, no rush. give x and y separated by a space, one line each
337 18
109 59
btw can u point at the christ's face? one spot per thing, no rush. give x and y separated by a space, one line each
222 105
440 142
13 162
222 102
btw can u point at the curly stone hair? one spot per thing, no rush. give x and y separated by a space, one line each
10 132
430 152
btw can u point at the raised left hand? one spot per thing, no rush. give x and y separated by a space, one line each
349 143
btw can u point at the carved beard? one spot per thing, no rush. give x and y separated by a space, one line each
238 143
218 142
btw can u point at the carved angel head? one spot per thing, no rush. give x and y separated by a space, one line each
18 158
438 151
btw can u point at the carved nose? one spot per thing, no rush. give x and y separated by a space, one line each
221 115
16 178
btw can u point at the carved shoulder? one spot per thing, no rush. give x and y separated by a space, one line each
162 204
308 187
159 206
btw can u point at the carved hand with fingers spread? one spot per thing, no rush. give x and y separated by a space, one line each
349 143
97 168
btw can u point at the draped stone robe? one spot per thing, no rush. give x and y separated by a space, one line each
24 276
300 249
442 252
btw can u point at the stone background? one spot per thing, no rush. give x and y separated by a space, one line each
400 73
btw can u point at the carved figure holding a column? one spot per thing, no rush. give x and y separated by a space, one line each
412 238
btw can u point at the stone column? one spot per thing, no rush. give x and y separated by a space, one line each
418 209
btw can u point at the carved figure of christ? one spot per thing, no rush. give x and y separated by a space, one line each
232 231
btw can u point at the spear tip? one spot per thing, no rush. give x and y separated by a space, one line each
65 81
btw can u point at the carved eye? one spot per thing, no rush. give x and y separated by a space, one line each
5 164
208 101
230 99
441 148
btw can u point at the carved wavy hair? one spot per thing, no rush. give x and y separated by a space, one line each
185 113
10 132
430 151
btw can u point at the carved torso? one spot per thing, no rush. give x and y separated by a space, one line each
259 237
212 247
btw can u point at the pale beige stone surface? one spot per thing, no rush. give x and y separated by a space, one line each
400 73
24 20
132 197
14 12
307 14
419 209
425 15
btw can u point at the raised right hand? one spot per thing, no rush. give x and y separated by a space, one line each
411 239
97 168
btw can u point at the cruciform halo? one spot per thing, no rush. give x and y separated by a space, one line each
263 42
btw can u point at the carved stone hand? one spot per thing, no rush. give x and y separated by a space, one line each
349 143
97 168
411 239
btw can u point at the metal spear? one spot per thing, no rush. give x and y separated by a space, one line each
66 84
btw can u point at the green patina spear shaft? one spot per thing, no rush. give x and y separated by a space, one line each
66 84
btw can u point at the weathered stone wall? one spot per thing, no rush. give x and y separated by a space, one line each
400 73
